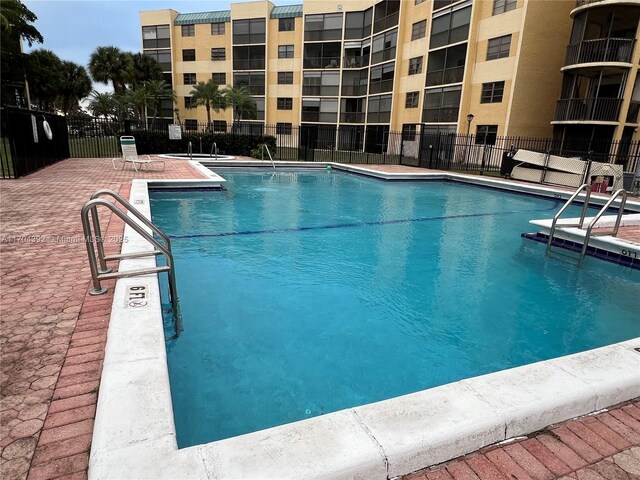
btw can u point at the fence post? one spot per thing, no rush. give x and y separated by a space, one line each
401 147
587 169
127 126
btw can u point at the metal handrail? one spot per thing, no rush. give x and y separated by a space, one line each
190 150
90 240
584 186
214 148
622 192
270 157
136 213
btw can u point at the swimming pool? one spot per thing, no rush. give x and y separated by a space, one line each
308 293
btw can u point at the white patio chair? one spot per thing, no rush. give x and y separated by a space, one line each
130 155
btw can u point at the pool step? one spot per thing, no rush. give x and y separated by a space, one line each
613 257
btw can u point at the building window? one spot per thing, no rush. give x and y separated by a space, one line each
446 65
253 81
502 6
383 47
441 104
188 30
249 31
220 126
358 24
379 109
189 102
218 54
163 57
326 26
323 84
156 36
322 55
418 2
386 15
285 51
419 30
285 103
498 47
412 100
381 78
217 28
492 92
189 78
249 57
190 124
283 128
438 4
415 65
219 78
189 55
486 134
285 78
286 24
450 26
320 110
409 131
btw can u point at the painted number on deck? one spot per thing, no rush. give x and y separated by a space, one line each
629 253
137 296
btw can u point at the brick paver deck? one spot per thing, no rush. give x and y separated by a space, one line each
604 446
53 335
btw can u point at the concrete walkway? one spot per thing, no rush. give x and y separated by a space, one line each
52 338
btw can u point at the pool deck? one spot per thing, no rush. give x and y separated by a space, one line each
53 336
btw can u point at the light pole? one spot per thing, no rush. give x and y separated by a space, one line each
466 154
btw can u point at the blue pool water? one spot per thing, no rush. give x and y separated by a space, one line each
307 293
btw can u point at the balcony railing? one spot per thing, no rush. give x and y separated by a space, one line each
320 90
580 3
354 90
352 117
321 62
588 109
443 77
386 22
600 50
358 61
324 117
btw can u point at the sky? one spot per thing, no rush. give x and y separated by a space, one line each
72 29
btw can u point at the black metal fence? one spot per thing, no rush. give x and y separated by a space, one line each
418 145
25 146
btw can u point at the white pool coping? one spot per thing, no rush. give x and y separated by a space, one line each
134 434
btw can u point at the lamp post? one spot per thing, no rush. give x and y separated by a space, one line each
466 154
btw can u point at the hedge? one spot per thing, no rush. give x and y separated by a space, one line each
155 142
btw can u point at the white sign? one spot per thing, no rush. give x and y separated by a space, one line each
137 296
175 133
34 127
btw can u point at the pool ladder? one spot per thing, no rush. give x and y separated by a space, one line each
589 229
95 246
268 153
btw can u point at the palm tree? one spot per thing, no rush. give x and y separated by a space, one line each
139 98
208 94
158 90
110 64
145 69
101 104
244 106
75 85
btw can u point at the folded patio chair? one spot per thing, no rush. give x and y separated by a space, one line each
130 155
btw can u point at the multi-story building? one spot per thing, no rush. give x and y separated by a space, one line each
486 67
600 96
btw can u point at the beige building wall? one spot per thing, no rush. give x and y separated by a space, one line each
538 77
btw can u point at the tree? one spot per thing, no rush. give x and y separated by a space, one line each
75 85
110 64
208 94
101 104
157 90
145 69
45 73
15 23
138 98
244 106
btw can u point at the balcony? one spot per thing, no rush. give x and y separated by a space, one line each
581 3
352 117
600 50
588 109
446 76
354 90
355 61
321 62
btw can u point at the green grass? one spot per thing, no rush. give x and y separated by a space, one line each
94 147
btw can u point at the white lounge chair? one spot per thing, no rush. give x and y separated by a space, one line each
130 155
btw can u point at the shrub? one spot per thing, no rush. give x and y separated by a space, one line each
157 142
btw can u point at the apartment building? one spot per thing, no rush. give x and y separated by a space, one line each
485 67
